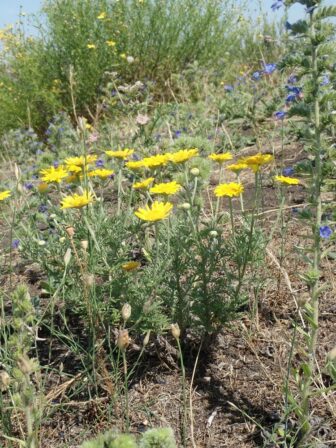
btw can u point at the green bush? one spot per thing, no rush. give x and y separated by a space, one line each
83 44
153 438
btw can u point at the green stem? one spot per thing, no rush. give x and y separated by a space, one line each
184 398
314 290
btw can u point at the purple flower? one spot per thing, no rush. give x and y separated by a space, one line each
177 134
292 79
256 76
325 80
15 244
280 115
39 152
290 98
269 68
28 186
228 88
294 89
56 164
288 171
99 163
325 232
288 26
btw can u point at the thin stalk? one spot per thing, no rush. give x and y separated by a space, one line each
184 397
314 293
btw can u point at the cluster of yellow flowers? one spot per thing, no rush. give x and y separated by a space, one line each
76 168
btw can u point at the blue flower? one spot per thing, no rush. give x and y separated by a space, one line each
256 76
290 98
28 186
39 152
294 89
228 88
177 134
15 244
56 164
325 232
280 115
99 163
288 171
325 80
269 68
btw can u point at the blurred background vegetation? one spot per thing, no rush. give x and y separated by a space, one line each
82 47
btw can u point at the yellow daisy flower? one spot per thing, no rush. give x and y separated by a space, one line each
101 172
111 43
230 190
256 161
4 194
77 200
287 180
91 46
157 211
120 154
166 188
220 158
135 164
236 167
130 266
143 184
53 174
80 161
156 161
182 156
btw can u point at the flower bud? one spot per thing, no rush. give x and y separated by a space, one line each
89 280
70 231
146 339
25 364
67 257
194 172
126 312
4 380
84 245
185 206
332 354
123 340
176 332
213 233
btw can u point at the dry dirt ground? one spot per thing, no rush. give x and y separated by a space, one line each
237 385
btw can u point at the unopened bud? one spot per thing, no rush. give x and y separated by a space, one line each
146 339
67 257
123 340
70 231
89 280
4 380
213 233
126 311
176 332
185 206
25 364
84 245
194 172
332 354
